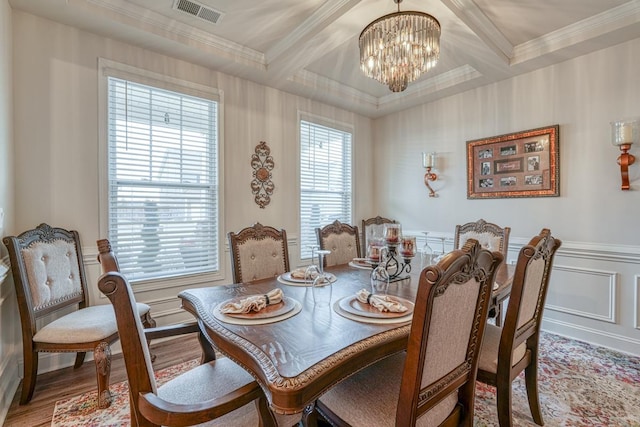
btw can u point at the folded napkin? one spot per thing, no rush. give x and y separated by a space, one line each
300 273
381 302
253 303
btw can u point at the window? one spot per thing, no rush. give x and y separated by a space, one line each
162 173
325 180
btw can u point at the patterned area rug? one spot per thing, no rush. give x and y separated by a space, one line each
580 385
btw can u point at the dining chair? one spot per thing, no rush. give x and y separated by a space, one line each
258 252
490 236
109 263
433 382
372 228
342 240
49 278
513 348
219 390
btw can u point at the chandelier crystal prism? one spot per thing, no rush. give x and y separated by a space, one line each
398 48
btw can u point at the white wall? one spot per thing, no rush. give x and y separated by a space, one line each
9 319
595 286
56 143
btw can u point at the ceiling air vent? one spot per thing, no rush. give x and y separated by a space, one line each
198 10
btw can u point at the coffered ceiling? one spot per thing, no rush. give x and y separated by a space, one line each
310 47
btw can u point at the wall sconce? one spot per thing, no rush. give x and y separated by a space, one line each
623 134
429 162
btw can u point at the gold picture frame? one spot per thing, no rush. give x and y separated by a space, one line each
520 164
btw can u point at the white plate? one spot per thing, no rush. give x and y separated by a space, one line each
256 321
287 277
351 305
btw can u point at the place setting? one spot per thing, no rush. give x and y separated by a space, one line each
257 309
375 305
307 275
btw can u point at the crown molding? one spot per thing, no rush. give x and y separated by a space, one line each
606 22
331 87
318 21
473 17
435 84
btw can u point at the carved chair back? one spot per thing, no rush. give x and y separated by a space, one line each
258 252
48 274
342 240
446 335
514 347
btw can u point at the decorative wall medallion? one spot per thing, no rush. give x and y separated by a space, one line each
262 163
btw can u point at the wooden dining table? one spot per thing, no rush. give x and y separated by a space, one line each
297 359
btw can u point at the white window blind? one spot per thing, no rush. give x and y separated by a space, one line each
162 181
325 180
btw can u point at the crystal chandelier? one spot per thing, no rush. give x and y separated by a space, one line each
396 49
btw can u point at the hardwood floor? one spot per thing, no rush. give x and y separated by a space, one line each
69 382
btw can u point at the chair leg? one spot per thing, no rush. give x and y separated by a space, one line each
30 374
531 381
79 359
265 416
102 357
503 395
149 322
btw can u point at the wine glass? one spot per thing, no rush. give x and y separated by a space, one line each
380 275
426 254
313 251
321 284
442 253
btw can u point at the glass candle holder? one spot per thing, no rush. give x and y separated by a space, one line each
408 248
373 249
392 233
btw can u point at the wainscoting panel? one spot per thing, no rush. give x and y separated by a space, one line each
583 292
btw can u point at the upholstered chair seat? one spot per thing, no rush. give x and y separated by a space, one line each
89 324
489 353
370 397
210 381
258 252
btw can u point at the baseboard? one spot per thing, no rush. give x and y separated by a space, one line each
9 381
597 337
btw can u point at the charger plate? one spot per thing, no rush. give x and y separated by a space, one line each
286 279
367 319
270 314
351 305
361 263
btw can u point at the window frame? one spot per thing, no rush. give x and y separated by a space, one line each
335 125
108 68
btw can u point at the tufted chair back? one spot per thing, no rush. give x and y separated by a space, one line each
342 240
258 252
48 274
49 265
